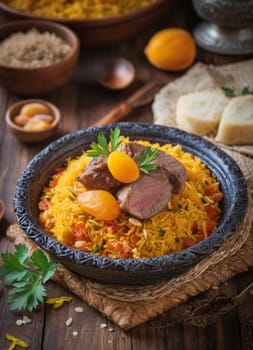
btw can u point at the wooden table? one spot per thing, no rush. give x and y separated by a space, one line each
82 102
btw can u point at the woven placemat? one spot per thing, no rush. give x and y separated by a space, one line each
129 306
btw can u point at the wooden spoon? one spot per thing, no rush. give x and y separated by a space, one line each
116 73
140 98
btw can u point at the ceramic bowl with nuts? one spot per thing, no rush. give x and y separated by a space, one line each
33 120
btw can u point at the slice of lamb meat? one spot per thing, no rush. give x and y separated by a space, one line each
173 168
98 176
147 196
133 149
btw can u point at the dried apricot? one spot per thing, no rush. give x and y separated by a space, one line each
122 167
171 49
31 109
36 125
47 117
21 119
100 204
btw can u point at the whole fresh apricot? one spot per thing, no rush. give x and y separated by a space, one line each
171 49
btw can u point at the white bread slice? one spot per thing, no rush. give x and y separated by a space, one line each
200 112
236 125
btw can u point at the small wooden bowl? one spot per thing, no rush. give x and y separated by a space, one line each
40 80
32 136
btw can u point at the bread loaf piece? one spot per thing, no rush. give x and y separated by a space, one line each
236 125
200 112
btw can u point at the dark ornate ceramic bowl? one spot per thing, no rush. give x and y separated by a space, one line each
130 271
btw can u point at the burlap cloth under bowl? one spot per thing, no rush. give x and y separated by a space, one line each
129 306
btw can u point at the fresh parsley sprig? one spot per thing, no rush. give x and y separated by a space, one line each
102 147
27 275
147 157
246 91
115 138
230 92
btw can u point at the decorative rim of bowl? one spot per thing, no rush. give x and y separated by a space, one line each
91 21
75 46
228 173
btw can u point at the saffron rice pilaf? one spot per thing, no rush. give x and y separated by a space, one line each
77 9
189 217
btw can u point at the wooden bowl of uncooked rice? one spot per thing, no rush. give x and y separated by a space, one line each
36 57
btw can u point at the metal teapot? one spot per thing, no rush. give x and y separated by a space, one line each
227 27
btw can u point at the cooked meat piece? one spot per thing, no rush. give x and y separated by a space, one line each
133 149
146 196
98 176
173 168
169 174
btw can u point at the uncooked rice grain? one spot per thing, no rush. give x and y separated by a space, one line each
32 49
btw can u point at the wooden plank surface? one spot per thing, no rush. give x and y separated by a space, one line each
82 102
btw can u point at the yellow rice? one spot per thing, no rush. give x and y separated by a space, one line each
77 9
161 234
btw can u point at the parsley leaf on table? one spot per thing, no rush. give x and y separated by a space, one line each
27 275
46 267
